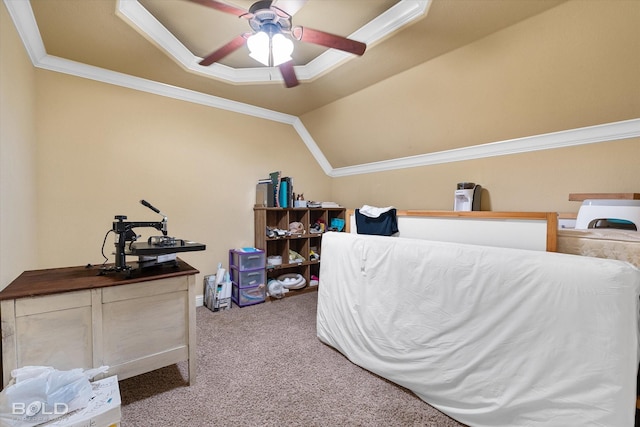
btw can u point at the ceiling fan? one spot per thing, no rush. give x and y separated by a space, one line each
270 41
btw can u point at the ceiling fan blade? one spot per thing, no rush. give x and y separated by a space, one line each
289 6
288 74
310 35
225 50
222 7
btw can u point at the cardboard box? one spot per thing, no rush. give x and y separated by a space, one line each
103 409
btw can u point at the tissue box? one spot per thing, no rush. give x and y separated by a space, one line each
103 409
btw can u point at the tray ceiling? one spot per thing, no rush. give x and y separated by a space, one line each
103 34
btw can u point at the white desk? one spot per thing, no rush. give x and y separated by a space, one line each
74 318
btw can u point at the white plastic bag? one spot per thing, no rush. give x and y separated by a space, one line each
38 394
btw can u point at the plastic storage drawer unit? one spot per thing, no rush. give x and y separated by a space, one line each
248 278
248 296
247 259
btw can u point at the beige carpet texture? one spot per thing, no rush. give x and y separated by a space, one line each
263 365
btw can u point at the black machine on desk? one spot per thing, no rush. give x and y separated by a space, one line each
157 250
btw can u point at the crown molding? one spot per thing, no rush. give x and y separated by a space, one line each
399 15
27 27
24 20
566 138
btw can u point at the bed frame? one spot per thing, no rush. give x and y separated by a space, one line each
521 230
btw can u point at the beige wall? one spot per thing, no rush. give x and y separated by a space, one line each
537 181
18 233
572 66
575 65
102 148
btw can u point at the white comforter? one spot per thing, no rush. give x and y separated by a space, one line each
490 336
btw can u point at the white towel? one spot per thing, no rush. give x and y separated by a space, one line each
374 212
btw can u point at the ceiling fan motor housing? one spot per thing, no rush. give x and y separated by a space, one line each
259 5
268 19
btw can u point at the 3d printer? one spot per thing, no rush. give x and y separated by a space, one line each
157 250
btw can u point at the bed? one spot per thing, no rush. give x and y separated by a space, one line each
491 336
607 243
606 226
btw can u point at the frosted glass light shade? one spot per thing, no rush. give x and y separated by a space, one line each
281 48
262 48
258 45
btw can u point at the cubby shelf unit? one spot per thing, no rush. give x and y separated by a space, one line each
304 243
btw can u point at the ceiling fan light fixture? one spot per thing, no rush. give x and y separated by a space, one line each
269 46
281 49
258 45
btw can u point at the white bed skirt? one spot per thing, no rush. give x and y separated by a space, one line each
490 336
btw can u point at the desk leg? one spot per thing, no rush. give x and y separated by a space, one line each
97 330
191 322
9 340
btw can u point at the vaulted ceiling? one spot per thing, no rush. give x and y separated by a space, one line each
163 41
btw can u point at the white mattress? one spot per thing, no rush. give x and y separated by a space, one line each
490 336
608 243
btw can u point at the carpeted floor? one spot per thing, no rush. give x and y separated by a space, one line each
264 366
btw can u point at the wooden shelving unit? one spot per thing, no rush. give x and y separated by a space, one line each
303 244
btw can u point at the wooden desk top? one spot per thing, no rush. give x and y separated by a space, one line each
33 283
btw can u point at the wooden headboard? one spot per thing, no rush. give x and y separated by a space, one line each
522 230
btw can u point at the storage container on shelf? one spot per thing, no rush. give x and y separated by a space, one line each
246 259
248 296
248 278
